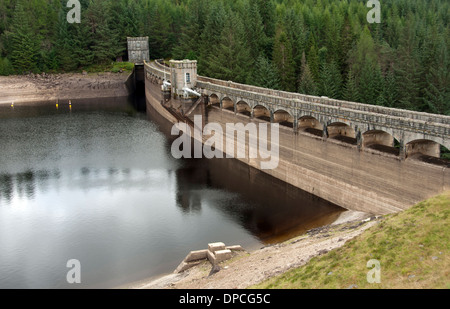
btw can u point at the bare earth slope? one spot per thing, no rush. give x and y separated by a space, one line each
36 88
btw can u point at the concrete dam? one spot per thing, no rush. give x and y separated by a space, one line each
360 157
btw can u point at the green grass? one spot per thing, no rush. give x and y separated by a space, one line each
412 247
124 66
113 67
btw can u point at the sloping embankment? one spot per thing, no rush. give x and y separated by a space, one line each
412 248
43 88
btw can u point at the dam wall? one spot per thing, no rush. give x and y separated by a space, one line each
362 180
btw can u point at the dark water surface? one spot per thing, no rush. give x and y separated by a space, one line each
97 183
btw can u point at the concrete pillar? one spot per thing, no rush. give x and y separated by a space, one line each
295 125
325 132
359 139
402 153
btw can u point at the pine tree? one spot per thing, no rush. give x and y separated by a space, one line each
313 62
351 92
230 58
265 74
408 70
24 43
284 62
211 37
6 67
189 43
81 42
437 91
255 37
307 85
389 92
104 43
330 81
267 12
295 29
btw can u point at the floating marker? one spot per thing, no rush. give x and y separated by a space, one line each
12 104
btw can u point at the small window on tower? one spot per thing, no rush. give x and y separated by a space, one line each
188 78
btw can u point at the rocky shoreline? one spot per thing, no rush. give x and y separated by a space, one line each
249 268
32 88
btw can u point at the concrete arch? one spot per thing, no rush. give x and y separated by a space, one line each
419 147
214 100
342 131
227 103
380 140
277 109
244 108
284 118
415 137
258 104
311 125
262 112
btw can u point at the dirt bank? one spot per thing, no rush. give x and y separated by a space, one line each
249 268
45 87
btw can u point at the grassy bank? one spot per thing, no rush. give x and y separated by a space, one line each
114 67
412 247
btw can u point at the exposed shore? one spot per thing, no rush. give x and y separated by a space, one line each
25 89
250 268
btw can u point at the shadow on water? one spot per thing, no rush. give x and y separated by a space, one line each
270 209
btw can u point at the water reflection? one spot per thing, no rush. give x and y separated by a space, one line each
266 207
24 185
99 184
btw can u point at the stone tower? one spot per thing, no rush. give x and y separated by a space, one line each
184 74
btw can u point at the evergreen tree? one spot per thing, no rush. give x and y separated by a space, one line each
24 43
265 74
230 58
437 91
313 61
189 43
389 92
408 70
255 38
307 85
6 67
104 42
284 62
351 92
266 9
330 81
211 37
65 45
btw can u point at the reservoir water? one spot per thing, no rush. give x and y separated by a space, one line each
97 183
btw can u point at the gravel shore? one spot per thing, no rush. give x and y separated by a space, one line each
250 268
51 87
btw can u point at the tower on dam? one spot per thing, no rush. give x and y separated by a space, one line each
184 77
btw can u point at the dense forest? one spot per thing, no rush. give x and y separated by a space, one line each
317 47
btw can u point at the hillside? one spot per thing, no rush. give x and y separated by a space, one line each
412 247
